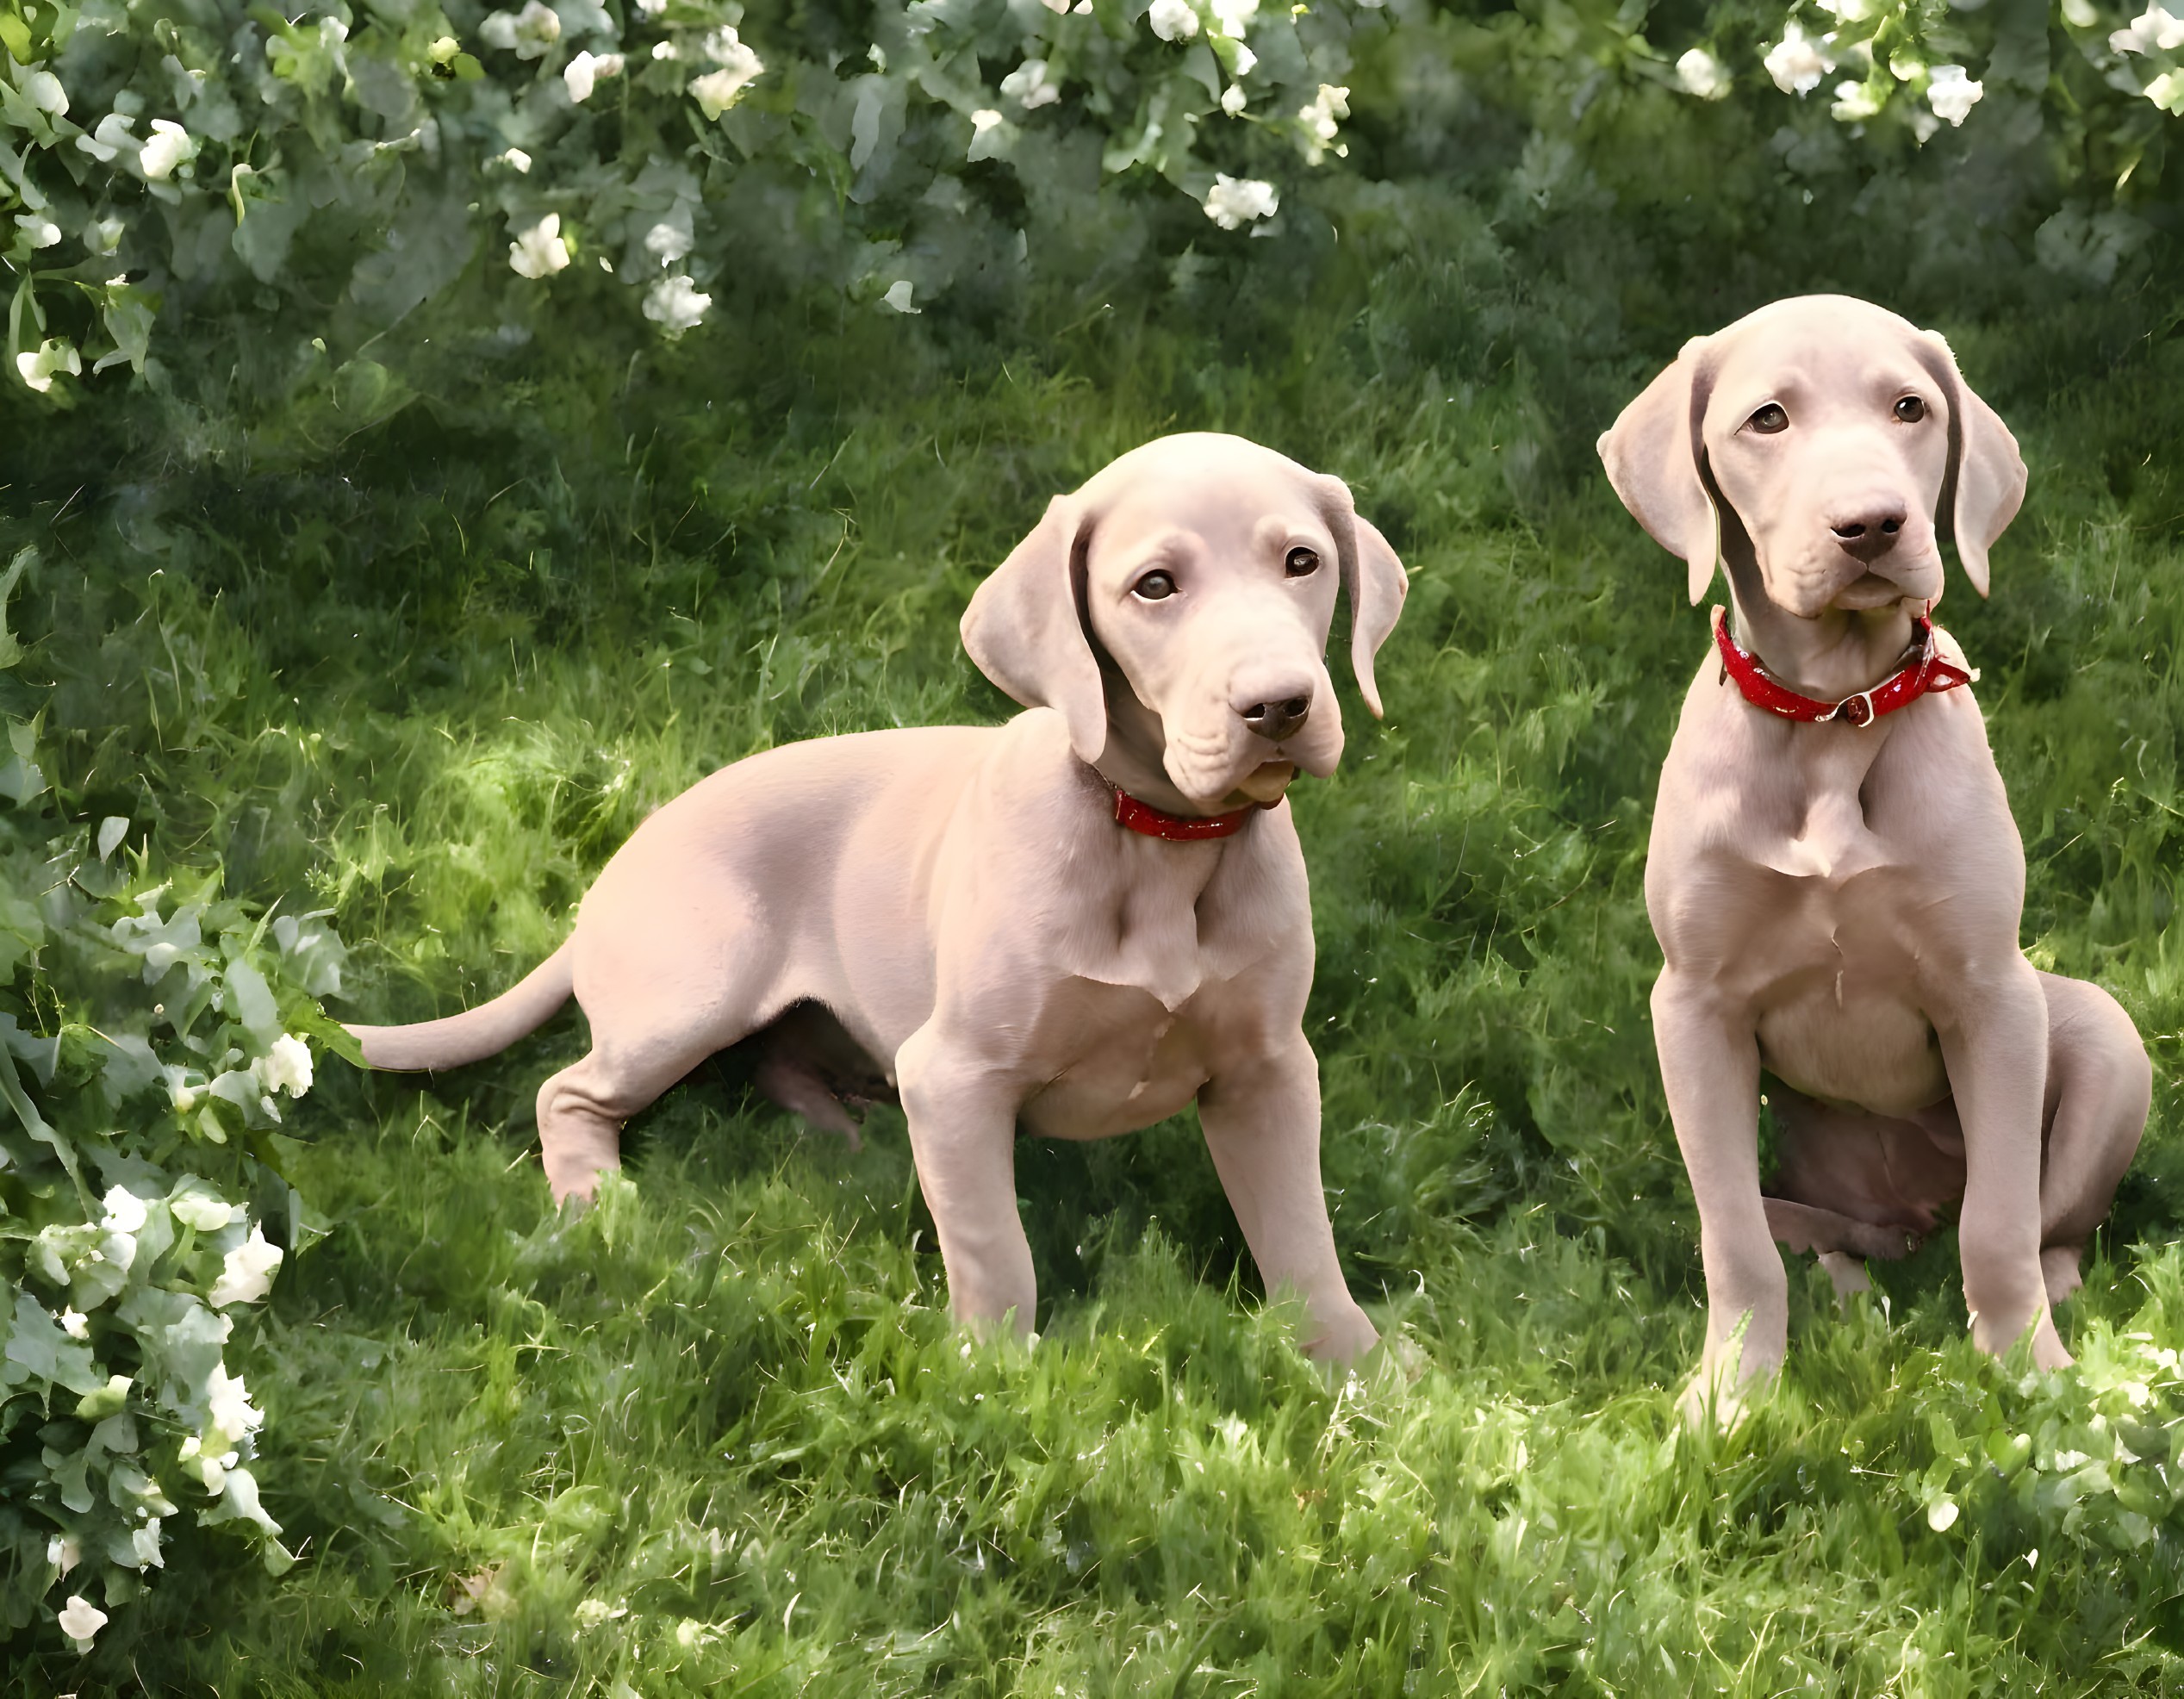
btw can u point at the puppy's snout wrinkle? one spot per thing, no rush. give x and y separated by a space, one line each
1277 720
1868 530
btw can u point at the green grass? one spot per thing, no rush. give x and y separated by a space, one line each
434 685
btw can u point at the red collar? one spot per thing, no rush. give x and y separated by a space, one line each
1179 828
1923 672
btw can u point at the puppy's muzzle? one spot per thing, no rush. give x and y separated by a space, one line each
1868 530
1277 720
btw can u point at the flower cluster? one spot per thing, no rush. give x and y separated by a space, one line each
2153 41
1801 62
143 1059
157 153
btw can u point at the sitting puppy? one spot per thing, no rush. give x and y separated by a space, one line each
1834 876
1078 921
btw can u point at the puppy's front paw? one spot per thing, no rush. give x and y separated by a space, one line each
1724 1389
2059 1271
1342 1338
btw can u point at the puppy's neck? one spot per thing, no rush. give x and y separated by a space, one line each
1833 655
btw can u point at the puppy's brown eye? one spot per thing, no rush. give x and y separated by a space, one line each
1769 419
1301 562
1911 409
1153 587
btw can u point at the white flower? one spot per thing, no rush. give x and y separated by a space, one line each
1703 75
42 230
1941 1515
234 1418
988 136
286 1067
143 1546
242 1498
668 241
898 296
1854 103
1172 20
1245 60
1030 86
1318 116
581 72
43 91
526 34
1797 62
105 143
539 252
1232 99
125 1211
168 147
2152 27
515 159
63 1552
1236 200
1057 7
246 1274
103 235
211 1471
651 8
80 1619
1951 92
1233 17
75 1324
718 90
2167 91
205 1214
674 303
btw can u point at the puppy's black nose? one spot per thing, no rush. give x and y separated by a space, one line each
1869 529
1276 720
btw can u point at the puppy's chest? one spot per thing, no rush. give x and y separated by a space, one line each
1119 1060
1166 939
1823 919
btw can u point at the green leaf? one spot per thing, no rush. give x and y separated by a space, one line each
38 1349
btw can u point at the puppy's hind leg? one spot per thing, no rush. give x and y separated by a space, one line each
582 1109
2099 1088
661 1000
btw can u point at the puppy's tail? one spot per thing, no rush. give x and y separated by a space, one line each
475 1033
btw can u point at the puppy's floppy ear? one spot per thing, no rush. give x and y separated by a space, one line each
1986 480
1372 578
1025 627
1654 453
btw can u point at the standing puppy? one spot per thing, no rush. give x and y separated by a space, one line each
1834 876
1079 922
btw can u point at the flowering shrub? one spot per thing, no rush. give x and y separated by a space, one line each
203 154
327 176
148 1031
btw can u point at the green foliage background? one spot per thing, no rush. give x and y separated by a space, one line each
416 626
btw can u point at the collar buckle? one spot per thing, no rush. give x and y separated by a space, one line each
1858 710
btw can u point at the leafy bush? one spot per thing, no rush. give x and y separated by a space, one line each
146 1031
217 159
323 199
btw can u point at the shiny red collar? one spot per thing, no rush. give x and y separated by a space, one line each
1180 828
1923 672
